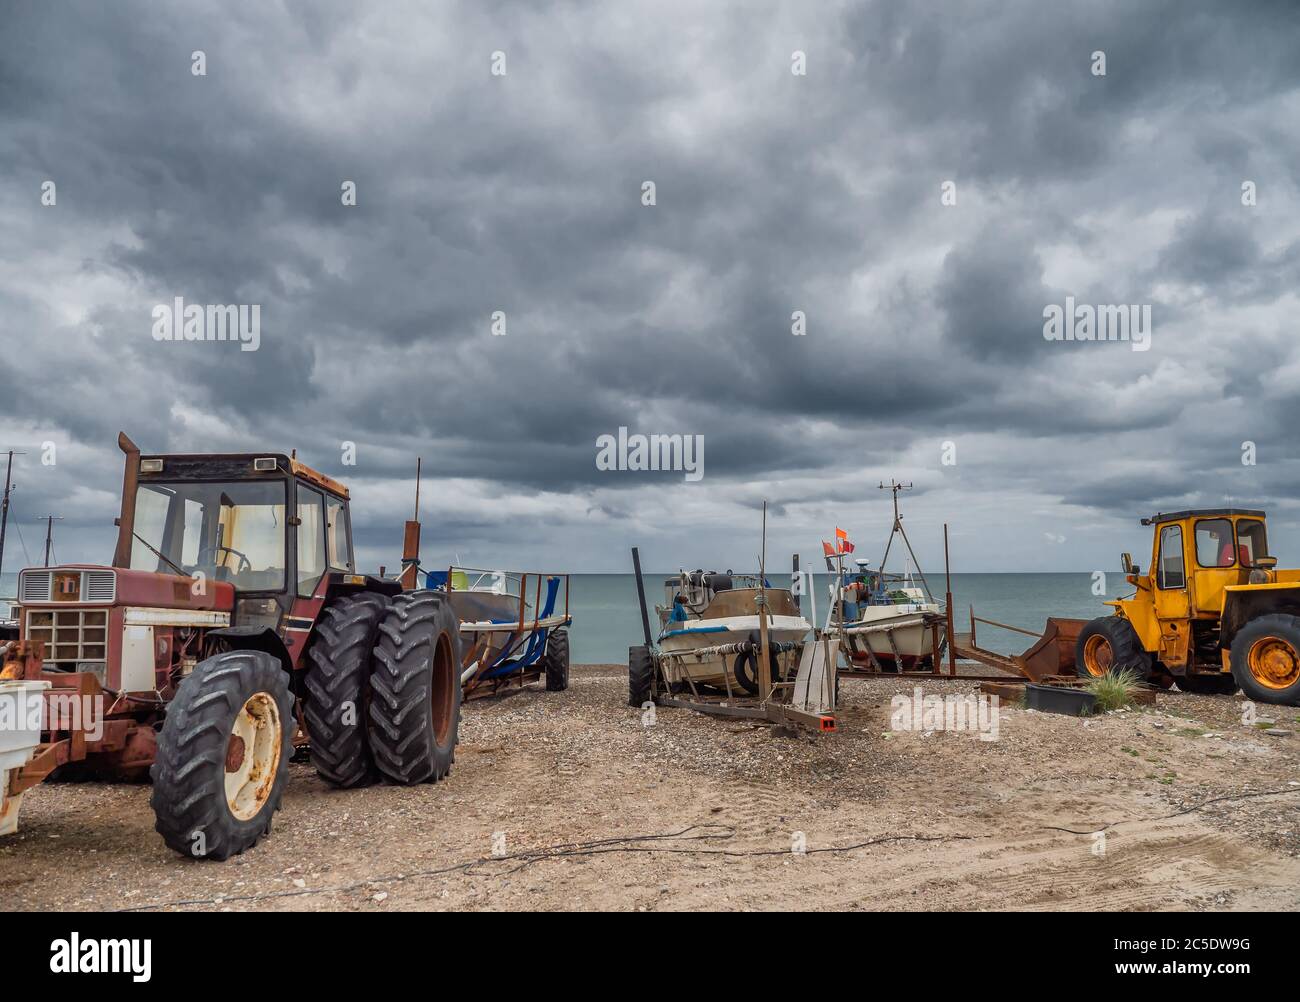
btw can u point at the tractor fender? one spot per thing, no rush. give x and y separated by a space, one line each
1244 603
256 638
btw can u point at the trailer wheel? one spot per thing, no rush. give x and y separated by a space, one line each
1207 685
223 755
1266 659
745 669
640 677
557 661
415 689
338 688
1110 644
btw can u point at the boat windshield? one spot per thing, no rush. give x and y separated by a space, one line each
231 532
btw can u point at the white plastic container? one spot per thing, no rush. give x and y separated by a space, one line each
21 711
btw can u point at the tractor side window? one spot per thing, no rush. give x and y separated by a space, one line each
1214 543
311 539
1251 542
1171 557
340 540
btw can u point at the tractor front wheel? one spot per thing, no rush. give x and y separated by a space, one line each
557 661
1266 659
223 755
1110 644
415 689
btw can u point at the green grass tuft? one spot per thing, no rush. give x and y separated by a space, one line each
1114 689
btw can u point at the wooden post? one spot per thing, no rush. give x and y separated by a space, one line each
764 668
947 604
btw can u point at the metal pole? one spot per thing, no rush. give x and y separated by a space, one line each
798 583
49 535
640 594
947 573
764 672
4 509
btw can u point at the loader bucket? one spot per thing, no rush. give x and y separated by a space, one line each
1053 652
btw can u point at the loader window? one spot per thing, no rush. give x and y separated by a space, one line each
1251 541
1214 543
1171 558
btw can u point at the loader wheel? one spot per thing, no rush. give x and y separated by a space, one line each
1266 659
338 689
415 689
557 661
223 755
1110 644
1207 685
640 677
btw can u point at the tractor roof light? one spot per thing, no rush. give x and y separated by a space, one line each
151 466
265 464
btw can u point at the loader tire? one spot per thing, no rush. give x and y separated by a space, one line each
1207 685
1266 659
415 693
1110 644
557 661
640 677
338 689
223 755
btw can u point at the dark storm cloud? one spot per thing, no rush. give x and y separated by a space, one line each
775 193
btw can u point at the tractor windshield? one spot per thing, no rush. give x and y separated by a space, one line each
231 532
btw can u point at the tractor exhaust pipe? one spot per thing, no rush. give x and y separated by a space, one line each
126 521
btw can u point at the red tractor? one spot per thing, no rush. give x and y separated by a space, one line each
232 626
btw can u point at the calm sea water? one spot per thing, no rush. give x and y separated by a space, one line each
607 619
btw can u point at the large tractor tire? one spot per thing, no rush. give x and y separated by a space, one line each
1207 685
557 661
1266 659
640 677
1110 644
223 755
415 689
338 688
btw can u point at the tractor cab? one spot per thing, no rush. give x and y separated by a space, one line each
273 529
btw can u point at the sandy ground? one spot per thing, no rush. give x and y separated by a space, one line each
594 810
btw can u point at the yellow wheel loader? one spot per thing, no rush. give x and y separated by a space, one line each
1213 612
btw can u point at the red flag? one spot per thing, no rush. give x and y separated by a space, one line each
847 547
828 549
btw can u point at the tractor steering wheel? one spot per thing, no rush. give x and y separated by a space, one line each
244 563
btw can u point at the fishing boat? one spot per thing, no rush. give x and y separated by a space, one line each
513 626
886 622
710 623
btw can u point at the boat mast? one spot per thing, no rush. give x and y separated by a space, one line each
894 487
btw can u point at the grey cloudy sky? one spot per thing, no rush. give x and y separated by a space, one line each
775 193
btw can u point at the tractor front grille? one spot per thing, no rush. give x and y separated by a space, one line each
70 635
71 586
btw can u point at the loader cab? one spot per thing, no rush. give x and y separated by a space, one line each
269 526
1197 554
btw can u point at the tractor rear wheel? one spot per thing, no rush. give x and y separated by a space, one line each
557 660
1207 684
1110 644
640 677
338 688
223 755
415 689
1266 659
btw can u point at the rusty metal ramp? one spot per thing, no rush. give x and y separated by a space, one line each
1052 652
